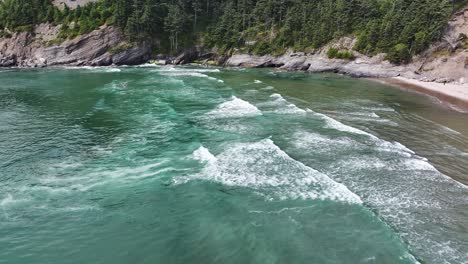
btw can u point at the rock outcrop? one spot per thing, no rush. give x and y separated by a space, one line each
444 61
71 3
101 47
361 66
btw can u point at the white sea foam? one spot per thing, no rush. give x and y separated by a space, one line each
191 74
335 124
94 68
394 147
323 144
204 155
90 179
235 108
418 164
268 88
112 70
362 163
268 170
258 81
145 65
8 200
185 70
282 106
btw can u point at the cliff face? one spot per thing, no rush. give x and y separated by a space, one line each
72 3
444 61
448 58
98 48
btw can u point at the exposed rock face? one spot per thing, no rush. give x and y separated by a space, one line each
448 59
94 49
445 61
363 66
72 3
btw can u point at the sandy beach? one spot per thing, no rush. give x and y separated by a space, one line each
453 95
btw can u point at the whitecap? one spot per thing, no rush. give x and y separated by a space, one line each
191 74
268 170
204 155
235 108
281 105
337 125
306 140
257 82
394 147
146 65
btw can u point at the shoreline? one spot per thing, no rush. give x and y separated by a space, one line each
452 95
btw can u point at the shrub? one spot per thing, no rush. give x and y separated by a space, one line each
336 54
262 48
399 54
332 52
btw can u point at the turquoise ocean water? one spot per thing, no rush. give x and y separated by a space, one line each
209 165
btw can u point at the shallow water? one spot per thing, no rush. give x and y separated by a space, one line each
207 165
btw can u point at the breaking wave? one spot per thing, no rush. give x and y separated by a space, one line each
268 170
235 108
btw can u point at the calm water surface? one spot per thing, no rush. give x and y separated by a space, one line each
207 165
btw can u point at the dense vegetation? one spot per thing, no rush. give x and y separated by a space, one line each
400 28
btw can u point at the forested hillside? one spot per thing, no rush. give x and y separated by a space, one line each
400 28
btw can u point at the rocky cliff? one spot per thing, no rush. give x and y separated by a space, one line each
444 61
104 46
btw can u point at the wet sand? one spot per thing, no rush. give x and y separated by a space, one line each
452 95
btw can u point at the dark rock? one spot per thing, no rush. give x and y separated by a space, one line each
8 61
207 56
132 56
186 57
161 57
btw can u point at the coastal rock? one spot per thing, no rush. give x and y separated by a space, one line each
72 4
8 61
186 57
207 56
32 49
132 56
249 61
361 67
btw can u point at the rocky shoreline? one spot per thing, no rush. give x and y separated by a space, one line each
102 47
428 73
